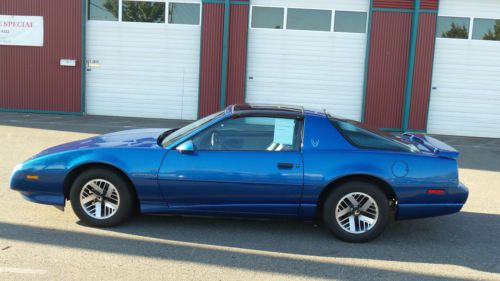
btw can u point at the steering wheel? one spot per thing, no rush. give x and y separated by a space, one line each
215 141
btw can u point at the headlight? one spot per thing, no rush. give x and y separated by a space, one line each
17 168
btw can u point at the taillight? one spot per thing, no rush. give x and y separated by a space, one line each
436 191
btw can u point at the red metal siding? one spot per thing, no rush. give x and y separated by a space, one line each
396 4
31 77
237 59
211 58
387 68
422 74
429 4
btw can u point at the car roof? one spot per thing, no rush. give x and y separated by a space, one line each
274 110
245 109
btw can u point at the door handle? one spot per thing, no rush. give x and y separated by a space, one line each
285 165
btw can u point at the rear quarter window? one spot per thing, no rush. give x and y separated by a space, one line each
365 138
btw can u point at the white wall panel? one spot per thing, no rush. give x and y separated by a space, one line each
310 68
465 99
468 8
343 5
145 69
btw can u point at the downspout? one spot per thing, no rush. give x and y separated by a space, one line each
411 65
83 57
225 43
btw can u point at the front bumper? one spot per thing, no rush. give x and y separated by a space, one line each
454 202
35 191
44 198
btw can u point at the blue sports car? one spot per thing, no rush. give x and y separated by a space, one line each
256 161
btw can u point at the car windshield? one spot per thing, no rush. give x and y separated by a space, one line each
366 137
188 129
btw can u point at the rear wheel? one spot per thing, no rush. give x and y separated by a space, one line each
101 197
356 211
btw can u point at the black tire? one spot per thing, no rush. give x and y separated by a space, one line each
126 205
335 197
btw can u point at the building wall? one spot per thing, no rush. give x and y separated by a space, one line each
237 53
322 69
422 76
465 93
223 54
400 64
387 69
31 78
212 26
399 70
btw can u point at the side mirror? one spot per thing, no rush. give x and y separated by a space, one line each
186 147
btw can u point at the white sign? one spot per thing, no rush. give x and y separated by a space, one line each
67 62
21 30
283 131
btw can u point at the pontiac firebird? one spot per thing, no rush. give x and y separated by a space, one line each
252 161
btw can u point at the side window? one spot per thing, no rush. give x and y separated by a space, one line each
346 21
143 11
364 138
251 134
486 29
106 10
453 27
184 13
267 17
309 19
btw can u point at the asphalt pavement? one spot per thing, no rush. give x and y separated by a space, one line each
39 242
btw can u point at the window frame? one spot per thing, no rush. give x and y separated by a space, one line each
469 31
166 2
300 123
250 17
117 20
120 10
473 20
332 12
367 13
332 23
167 13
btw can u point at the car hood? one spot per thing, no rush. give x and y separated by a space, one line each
131 138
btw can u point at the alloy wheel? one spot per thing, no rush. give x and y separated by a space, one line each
99 199
356 212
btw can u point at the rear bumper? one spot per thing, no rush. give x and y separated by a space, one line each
455 201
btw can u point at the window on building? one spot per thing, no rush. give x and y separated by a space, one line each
346 21
453 27
143 11
486 29
184 13
309 19
103 10
268 17
251 134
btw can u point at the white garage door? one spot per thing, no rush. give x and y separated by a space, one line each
465 96
143 58
309 53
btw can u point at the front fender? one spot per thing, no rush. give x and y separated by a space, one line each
140 165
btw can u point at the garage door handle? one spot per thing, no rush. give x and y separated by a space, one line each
285 165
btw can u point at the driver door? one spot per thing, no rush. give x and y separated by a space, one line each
247 165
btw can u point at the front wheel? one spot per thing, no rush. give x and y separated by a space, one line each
356 212
100 197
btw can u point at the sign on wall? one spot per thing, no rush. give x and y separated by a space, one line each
21 30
